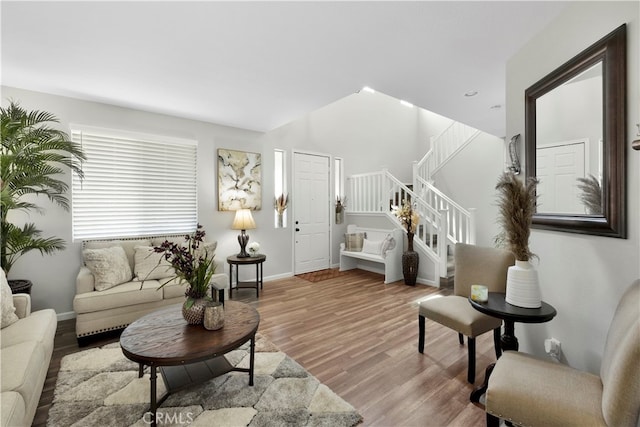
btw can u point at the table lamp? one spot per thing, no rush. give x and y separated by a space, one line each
243 221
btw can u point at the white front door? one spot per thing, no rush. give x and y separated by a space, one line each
311 207
558 166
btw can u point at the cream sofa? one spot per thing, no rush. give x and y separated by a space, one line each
114 308
26 347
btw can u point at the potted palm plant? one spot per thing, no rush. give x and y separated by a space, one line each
517 202
33 156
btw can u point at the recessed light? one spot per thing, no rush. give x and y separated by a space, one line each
471 93
368 89
405 103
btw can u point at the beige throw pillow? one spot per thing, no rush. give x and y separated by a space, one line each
150 265
353 241
207 249
8 309
109 266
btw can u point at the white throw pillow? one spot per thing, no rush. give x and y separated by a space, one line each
372 247
150 265
109 266
8 309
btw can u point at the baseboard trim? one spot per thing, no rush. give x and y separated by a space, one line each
427 282
66 316
278 276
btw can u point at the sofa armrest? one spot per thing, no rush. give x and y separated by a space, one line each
220 281
22 303
85 282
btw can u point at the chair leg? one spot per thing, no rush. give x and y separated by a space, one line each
471 347
492 420
496 342
421 334
461 338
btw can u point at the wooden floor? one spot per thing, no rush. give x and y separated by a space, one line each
359 337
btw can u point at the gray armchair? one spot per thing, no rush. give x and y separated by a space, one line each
474 265
533 392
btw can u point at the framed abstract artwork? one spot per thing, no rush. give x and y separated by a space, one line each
239 180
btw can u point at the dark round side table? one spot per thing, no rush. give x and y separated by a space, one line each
496 306
256 260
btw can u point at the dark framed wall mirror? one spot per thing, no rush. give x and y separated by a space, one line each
575 128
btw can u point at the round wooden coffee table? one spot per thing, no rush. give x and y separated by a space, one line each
188 354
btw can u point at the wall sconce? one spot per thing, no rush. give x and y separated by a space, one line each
513 155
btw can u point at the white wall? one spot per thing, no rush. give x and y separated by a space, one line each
470 178
54 276
581 276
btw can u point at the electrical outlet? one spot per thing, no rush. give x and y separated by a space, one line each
552 348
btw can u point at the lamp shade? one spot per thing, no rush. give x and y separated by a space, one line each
243 220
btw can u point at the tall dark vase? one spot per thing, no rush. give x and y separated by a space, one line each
410 261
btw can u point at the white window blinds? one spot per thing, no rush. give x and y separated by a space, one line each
134 185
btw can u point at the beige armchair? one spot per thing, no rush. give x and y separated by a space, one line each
533 392
474 265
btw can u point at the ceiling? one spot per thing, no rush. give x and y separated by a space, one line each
259 65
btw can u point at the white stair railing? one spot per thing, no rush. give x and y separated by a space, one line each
444 146
443 222
381 192
461 222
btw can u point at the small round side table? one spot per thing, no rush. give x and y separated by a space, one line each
234 260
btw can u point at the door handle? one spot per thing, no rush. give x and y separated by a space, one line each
297 229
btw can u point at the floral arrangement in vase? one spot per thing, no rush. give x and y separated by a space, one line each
253 248
517 201
193 266
408 217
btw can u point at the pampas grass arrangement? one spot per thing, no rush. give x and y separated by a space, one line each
517 202
591 194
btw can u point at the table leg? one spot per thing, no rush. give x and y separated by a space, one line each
508 341
252 354
257 281
154 404
478 392
140 370
261 277
230 280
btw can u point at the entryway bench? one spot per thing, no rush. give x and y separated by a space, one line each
376 252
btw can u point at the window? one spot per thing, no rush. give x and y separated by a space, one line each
280 187
338 177
134 185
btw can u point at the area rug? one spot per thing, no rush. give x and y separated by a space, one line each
320 275
100 387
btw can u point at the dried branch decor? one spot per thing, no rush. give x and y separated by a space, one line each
591 194
281 202
516 206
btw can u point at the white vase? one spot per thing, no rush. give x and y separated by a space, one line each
523 288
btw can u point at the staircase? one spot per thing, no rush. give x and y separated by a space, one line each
443 222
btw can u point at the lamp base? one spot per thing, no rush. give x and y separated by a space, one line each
243 239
